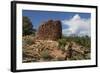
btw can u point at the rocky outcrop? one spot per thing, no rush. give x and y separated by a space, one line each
48 50
50 30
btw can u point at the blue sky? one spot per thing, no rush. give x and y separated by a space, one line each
37 17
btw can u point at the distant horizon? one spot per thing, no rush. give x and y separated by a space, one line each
72 22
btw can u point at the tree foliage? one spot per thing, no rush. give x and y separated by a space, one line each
27 26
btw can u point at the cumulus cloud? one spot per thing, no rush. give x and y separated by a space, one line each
77 26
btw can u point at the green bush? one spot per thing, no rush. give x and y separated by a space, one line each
45 55
28 40
81 40
27 26
62 43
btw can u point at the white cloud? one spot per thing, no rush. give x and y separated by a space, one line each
77 25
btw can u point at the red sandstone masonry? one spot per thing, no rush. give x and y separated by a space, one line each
50 30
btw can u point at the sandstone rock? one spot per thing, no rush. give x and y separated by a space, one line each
57 54
50 30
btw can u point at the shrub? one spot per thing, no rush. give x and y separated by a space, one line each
62 43
28 40
45 55
81 40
